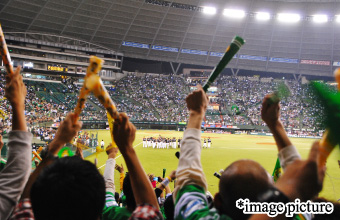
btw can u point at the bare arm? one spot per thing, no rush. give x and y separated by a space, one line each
189 170
79 153
16 93
109 170
66 132
270 114
120 169
302 180
124 134
165 183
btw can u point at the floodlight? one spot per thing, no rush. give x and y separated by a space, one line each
284 17
262 16
233 13
209 10
320 18
337 18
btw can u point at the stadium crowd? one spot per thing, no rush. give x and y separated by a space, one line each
159 98
73 188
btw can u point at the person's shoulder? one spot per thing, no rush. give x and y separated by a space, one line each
116 212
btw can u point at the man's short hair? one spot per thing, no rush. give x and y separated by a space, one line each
242 179
69 188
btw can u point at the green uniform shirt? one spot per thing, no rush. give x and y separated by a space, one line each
191 203
2 165
112 210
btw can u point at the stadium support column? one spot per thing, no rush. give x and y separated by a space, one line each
121 64
298 78
173 69
234 72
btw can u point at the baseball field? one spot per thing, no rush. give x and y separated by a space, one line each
225 149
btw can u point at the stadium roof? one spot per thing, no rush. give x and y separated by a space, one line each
180 31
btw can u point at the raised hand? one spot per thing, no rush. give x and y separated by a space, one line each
270 112
120 168
197 101
173 175
124 133
112 153
67 130
15 90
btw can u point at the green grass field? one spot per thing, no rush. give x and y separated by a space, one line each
226 148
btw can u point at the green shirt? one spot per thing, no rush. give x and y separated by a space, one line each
112 210
191 203
2 165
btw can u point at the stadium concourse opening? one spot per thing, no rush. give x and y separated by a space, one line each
102 109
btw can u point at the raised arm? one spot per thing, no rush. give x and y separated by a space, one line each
66 132
120 169
165 184
270 114
190 192
124 135
16 172
302 180
109 170
189 171
16 94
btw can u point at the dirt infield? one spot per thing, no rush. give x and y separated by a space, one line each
267 143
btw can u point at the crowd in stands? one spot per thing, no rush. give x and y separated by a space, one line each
159 98
72 188
153 98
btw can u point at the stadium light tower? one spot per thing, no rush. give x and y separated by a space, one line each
320 18
209 10
263 16
289 18
233 13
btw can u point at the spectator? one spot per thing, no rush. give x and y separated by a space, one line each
302 180
120 169
16 172
111 209
147 206
70 176
190 196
